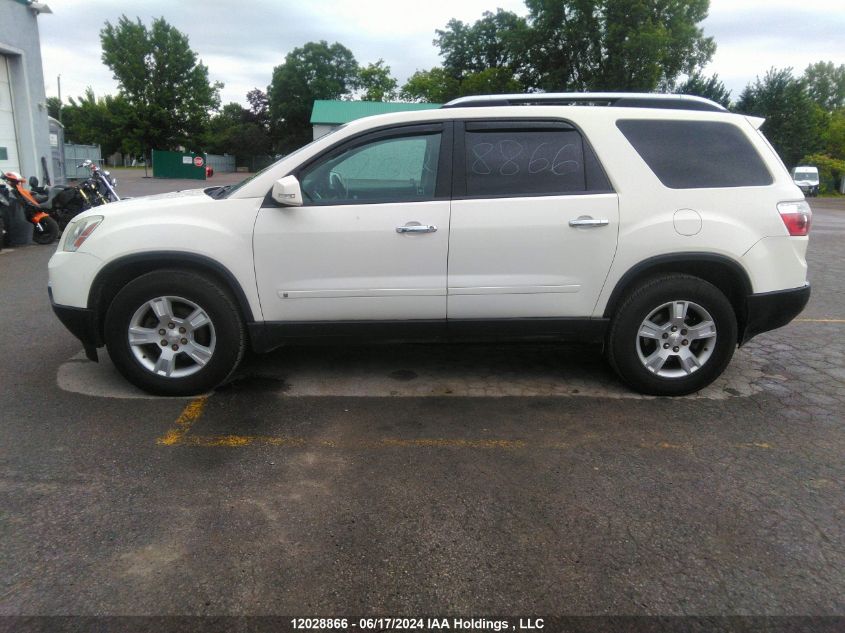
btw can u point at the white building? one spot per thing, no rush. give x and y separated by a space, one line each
24 129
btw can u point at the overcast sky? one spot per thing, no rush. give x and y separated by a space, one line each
241 42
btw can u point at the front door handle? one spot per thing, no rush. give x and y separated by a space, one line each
416 228
588 221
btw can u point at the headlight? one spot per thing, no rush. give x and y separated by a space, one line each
78 231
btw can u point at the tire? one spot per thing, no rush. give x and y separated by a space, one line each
49 232
195 358
2 233
681 362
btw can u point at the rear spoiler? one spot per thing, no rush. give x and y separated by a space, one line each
755 121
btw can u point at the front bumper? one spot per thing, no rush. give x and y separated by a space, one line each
770 310
82 323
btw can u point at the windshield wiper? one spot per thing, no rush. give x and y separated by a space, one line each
219 192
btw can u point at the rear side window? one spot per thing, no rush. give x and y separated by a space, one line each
528 162
696 154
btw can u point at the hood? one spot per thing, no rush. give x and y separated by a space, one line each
170 195
172 199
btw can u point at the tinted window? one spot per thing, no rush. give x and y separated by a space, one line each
692 154
388 170
524 162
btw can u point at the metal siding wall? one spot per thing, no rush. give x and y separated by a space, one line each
75 154
221 164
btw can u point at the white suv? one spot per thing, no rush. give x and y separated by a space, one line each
663 227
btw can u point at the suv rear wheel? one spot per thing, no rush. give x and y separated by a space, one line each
672 335
174 333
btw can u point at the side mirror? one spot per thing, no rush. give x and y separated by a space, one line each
286 191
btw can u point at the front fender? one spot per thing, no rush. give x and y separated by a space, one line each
200 232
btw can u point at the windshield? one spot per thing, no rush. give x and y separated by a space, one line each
806 175
225 192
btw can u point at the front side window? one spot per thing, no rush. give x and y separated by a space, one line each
402 169
524 162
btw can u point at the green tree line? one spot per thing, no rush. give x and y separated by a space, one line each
166 100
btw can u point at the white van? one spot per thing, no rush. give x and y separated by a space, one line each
807 178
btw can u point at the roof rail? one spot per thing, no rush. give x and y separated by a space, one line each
616 99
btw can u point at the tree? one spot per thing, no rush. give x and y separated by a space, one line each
316 70
579 45
102 121
237 130
497 41
376 82
485 57
614 44
54 107
826 84
833 136
259 106
708 87
432 86
490 81
793 121
162 80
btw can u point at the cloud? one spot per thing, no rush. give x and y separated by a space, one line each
752 37
242 42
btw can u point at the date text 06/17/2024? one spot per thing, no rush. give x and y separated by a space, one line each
417 624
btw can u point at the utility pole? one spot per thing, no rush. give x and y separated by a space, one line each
59 81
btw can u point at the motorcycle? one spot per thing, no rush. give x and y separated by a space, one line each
62 202
45 229
102 183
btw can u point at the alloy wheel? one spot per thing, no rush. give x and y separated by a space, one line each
676 339
172 336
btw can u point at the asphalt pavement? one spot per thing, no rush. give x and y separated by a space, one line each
460 479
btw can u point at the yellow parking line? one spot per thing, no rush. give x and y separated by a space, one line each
190 414
449 443
764 445
820 320
237 441
179 435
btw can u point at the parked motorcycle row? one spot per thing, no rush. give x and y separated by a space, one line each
50 208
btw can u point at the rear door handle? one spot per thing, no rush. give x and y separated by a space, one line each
588 221
416 228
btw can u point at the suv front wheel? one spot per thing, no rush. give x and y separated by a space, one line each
672 335
174 333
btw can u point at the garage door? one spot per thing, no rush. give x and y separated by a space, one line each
8 138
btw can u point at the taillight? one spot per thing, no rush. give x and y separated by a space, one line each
796 216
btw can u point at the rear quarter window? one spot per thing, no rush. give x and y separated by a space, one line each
696 154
